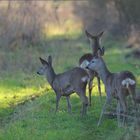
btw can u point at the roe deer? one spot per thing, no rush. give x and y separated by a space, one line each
119 85
86 58
66 83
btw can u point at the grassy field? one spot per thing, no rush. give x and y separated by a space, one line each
27 103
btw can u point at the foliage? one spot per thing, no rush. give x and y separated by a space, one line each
35 118
27 102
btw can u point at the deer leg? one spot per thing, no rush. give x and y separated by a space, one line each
85 105
108 101
58 96
69 104
136 109
118 110
124 107
90 90
102 112
99 88
133 98
84 101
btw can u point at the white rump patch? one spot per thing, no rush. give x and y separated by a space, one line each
128 82
84 64
84 79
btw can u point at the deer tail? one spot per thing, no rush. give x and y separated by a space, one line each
127 82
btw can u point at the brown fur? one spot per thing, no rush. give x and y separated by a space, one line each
114 86
64 84
96 48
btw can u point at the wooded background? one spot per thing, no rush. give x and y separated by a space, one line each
33 29
25 24
24 21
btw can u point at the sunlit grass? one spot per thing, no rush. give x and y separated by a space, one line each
13 92
9 95
67 29
36 119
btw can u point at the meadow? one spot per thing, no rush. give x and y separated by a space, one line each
27 102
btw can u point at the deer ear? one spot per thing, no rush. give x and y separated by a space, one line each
88 34
99 54
44 62
50 60
103 50
100 34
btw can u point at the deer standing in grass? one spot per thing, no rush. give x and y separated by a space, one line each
119 85
86 58
66 83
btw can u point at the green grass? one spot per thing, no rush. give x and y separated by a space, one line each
35 119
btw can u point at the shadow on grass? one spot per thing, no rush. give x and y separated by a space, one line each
36 119
39 115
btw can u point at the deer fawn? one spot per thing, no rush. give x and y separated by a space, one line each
66 83
85 59
119 85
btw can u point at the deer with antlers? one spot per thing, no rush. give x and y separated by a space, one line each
86 58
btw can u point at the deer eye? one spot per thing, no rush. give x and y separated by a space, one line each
93 61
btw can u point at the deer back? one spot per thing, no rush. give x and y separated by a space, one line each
74 78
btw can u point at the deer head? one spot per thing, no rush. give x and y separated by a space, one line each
46 66
95 41
96 64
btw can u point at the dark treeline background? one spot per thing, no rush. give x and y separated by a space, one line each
31 23
24 20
